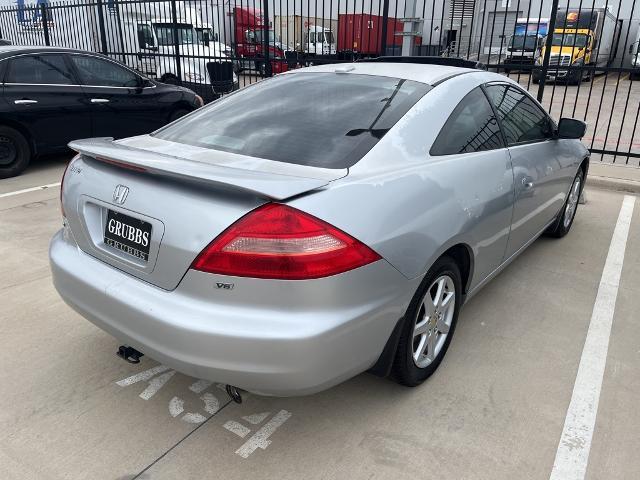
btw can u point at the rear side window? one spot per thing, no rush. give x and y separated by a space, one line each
327 120
471 127
522 119
98 72
39 70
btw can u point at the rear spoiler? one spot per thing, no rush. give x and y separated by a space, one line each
269 185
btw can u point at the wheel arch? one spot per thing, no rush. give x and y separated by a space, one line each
584 166
462 255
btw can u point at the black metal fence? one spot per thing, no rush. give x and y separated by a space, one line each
578 58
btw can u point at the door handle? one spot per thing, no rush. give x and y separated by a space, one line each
99 100
25 101
527 183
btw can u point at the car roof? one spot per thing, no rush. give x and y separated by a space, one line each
429 74
8 50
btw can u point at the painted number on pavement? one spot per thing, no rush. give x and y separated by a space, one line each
157 377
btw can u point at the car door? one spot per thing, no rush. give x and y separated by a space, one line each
482 166
122 103
537 160
45 98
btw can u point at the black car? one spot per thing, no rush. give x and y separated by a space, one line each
51 96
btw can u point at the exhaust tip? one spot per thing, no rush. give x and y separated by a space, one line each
234 393
129 354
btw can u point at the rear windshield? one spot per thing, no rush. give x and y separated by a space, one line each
323 120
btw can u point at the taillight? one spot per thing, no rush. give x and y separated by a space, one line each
278 241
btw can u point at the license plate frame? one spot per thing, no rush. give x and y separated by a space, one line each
127 234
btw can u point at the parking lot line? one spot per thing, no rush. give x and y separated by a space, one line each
572 455
27 190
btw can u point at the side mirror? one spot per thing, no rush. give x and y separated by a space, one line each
571 128
139 84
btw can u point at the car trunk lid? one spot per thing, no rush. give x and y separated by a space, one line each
179 195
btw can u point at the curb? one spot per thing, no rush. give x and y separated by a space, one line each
612 183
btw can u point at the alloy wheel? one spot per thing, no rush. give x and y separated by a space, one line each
433 321
572 203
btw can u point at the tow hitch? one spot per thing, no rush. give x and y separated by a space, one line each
129 354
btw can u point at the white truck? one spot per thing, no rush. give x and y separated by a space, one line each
524 45
156 34
313 36
320 41
207 36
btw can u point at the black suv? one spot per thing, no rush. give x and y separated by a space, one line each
51 96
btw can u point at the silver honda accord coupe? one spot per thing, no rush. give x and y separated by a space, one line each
316 225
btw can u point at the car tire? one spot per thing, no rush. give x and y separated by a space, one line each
563 223
425 338
178 113
15 153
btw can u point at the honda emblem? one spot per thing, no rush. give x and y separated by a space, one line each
120 194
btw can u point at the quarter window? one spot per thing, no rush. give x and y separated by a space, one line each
472 127
523 121
98 72
40 70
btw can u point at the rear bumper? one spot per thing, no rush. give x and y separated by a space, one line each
292 345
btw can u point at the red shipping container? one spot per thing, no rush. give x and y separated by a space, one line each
363 33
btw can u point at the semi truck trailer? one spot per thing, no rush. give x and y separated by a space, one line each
350 33
362 33
309 35
243 30
581 38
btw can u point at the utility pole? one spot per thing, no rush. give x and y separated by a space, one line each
410 30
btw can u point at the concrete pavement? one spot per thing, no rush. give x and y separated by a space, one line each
495 409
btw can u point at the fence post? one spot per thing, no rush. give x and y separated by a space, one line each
265 38
385 20
45 24
176 42
547 50
103 36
